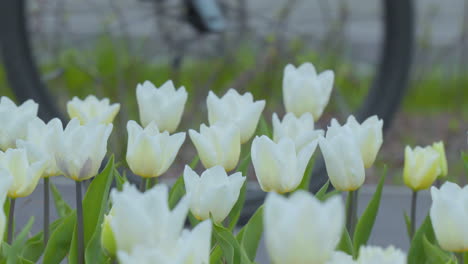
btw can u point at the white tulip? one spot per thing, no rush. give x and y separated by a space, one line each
373 254
301 129
449 216
213 192
191 248
306 91
80 149
5 183
25 174
240 110
422 166
163 105
343 161
218 144
301 229
339 257
150 153
278 166
14 121
92 109
368 135
37 143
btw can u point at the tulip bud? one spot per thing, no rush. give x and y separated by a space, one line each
278 166
25 174
422 166
149 152
163 105
5 184
14 121
306 91
439 147
240 110
368 136
92 110
213 192
449 216
301 130
343 161
107 236
302 229
80 149
218 144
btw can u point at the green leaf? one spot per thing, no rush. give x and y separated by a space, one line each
24 261
434 254
62 207
60 240
253 233
13 252
416 252
194 162
330 194
237 208
346 244
193 220
408 224
264 128
94 252
216 255
34 246
233 252
177 192
322 191
305 183
6 211
119 179
366 222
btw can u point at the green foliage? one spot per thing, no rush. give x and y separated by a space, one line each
252 233
232 250
305 183
346 244
60 240
12 253
417 252
434 254
62 207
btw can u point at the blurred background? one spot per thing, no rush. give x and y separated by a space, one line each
107 47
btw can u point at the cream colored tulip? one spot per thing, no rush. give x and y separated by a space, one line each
368 135
343 159
213 193
14 121
278 166
80 149
218 144
449 216
422 166
240 110
5 184
150 153
24 173
92 109
305 91
439 147
301 129
302 229
163 105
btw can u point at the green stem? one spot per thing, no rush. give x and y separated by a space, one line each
150 182
79 211
350 214
11 221
414 197
46 210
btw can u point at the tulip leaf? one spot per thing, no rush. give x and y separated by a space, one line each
34 247
13 252
24 261
232 251
434 254
194 162
193 220
119 179
305 183
264 128
346 244
62 207
408 224
322 191
94 252
416 252
216 255
6 211
60 240
253 233
237 208
366 222
177 192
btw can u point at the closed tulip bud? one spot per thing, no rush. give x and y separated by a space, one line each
163 105
343 161
107 236
368 135
449 216
218 144
80 149
213 193
305 91
241 110
150 153
439 147
301 130
37 143
422 166
5 183
14 121
302 229
25 174
278 166
92 109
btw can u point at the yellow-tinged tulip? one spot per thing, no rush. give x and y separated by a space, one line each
92 109
439 147
150 153
14 121
305 91
422 166
25 174
5 183
449 216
